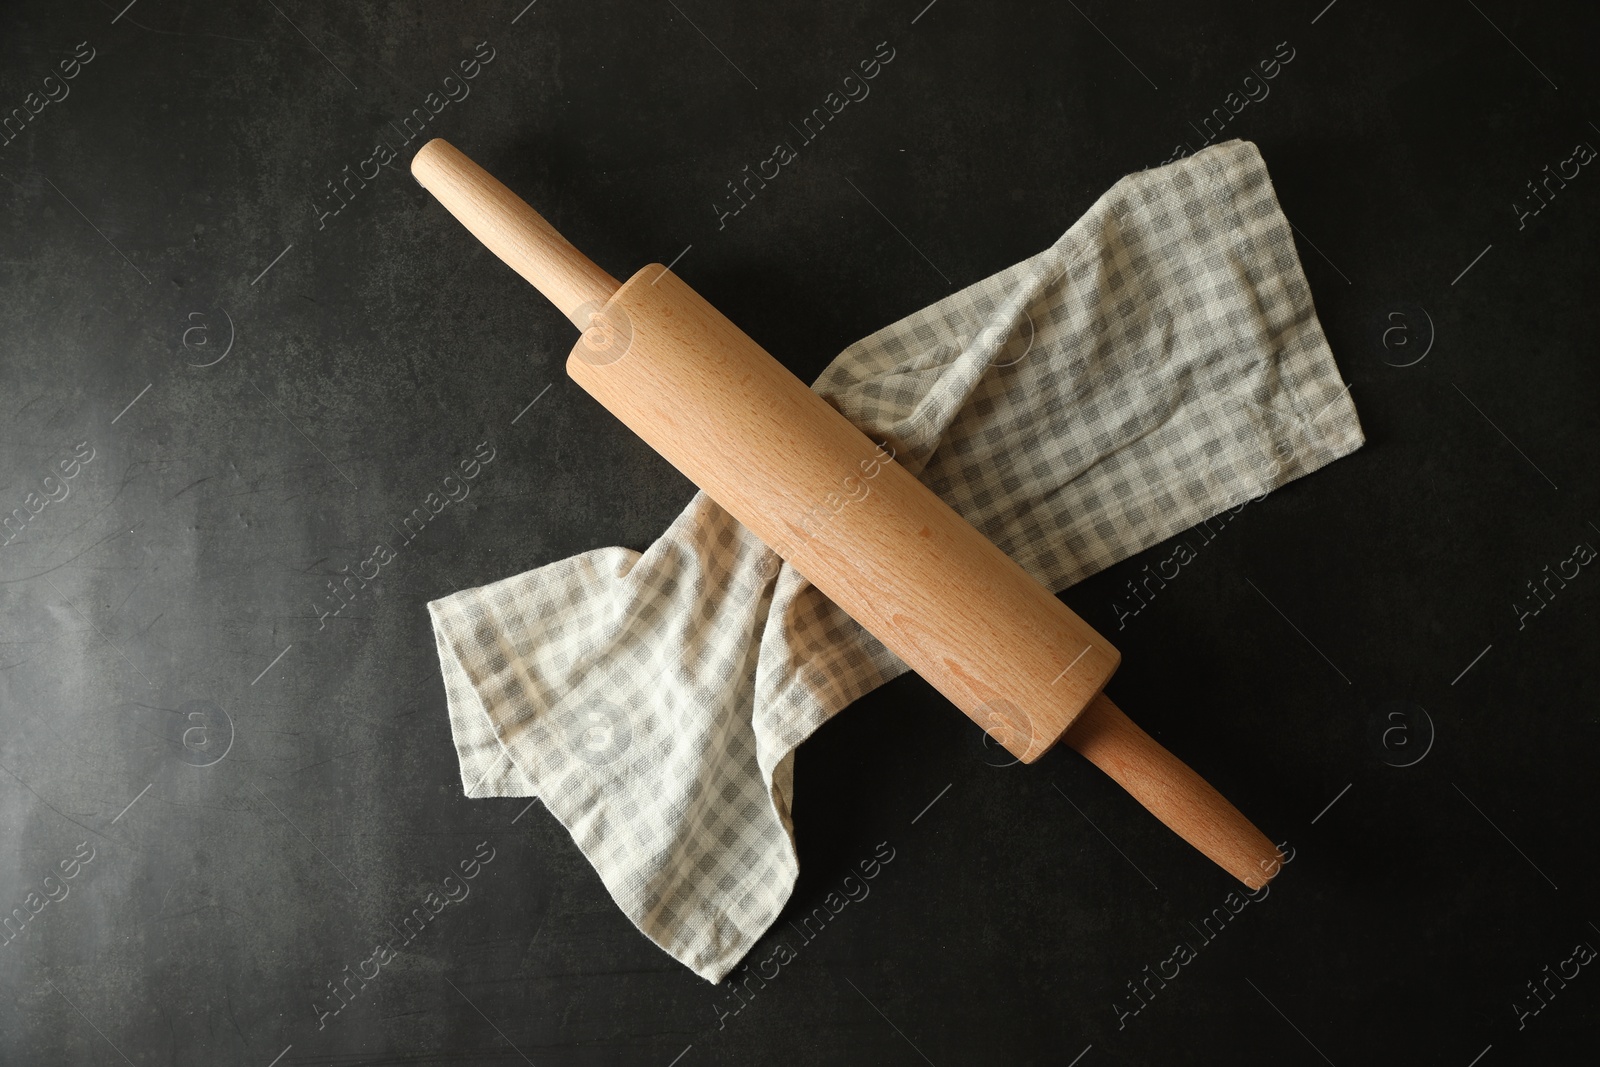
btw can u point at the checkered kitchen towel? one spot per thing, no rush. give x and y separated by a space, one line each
1159 363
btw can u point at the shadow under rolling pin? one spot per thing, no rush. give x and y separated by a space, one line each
898 560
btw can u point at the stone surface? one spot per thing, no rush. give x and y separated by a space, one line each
254 796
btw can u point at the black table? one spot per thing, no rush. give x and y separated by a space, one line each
240 344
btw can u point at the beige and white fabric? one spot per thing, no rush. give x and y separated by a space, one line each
1159 363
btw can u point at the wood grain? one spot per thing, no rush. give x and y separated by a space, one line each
864 531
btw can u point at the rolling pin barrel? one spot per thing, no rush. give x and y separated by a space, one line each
835 505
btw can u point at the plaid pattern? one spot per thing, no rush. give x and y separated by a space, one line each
1161 362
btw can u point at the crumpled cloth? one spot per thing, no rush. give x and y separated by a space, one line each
1158 364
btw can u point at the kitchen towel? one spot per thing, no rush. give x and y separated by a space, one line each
1158 364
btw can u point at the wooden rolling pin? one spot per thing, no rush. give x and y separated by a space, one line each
835 505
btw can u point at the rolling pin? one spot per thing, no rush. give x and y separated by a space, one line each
833 504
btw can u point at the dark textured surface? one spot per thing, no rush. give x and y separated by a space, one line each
294 793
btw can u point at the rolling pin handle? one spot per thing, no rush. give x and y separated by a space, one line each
514 231
1173 792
